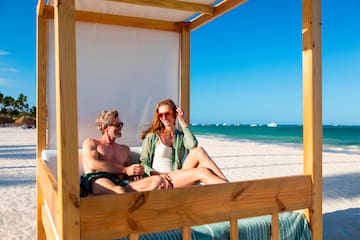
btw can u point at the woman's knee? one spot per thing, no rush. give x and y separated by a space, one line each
204 171
198 151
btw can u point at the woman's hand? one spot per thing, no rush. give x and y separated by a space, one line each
166 181
181 117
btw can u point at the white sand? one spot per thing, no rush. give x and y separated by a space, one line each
239 161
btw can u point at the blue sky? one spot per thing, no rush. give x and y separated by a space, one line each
245 65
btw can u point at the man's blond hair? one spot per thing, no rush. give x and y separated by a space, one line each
104 119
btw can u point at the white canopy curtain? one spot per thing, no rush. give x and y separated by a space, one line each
129 69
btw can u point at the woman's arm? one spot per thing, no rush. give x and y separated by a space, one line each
147 153
190 140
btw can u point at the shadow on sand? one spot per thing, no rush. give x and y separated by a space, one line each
341 186
342 224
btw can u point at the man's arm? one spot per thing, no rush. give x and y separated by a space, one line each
133 169
90 157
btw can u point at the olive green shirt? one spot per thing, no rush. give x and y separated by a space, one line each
183 141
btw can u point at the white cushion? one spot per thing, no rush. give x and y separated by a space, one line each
50 158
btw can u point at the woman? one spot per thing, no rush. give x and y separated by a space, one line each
174 152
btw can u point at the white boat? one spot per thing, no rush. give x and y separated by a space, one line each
273 124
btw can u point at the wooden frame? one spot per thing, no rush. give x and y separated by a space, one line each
72 217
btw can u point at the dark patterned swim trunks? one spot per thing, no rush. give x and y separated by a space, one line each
87 180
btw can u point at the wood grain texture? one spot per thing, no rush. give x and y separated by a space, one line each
162 210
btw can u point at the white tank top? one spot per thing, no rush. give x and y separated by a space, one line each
162 158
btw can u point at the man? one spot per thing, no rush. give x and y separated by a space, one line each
106 163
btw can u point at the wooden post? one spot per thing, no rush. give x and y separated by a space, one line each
41 60
185 73
312 102
66 120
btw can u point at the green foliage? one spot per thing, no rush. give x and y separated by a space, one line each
14 108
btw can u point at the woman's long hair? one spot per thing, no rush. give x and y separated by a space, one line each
157 126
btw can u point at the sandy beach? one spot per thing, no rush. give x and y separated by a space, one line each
239 160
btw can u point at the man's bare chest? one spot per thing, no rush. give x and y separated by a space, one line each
111 153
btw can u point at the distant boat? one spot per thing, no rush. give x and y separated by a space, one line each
253 125
273 124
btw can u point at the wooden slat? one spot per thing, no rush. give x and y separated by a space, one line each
50 234
219 10
66 120
103 18
186 233
275 226
185 73
48 187
312 102
40 228
171 209
174 4
234 231
134 236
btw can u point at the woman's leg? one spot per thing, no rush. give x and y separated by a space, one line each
154 182
198 157
187 177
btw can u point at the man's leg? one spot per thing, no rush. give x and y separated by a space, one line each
106 186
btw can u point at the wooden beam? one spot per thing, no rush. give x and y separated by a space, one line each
41 60
174 4
185 73
41 66
312 101
66 120
103 18
40 7
154 211
220 9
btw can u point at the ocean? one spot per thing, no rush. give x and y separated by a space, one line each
335 138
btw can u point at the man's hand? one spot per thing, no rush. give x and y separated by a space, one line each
134 169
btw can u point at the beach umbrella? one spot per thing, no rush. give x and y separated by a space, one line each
25 121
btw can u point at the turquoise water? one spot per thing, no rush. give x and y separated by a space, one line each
339 137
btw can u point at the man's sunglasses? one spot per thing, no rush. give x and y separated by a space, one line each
117 124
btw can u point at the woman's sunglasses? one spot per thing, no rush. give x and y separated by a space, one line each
165 114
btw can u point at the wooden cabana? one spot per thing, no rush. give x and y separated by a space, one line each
78 58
